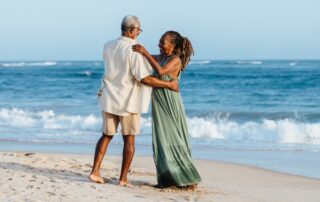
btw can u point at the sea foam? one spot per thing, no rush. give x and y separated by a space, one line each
284 130
47 119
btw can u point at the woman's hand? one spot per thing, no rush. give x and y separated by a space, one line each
139 48
174 86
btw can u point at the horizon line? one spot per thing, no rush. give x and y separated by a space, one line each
86 60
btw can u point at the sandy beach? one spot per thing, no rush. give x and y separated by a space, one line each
63 177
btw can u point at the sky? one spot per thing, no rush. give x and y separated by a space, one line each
218 30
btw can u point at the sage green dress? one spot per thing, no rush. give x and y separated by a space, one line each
170 139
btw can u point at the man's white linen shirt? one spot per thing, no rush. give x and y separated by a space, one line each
122 92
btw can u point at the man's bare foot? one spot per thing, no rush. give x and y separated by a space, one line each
96 178
125 184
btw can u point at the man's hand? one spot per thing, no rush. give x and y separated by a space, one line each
99 93
174 86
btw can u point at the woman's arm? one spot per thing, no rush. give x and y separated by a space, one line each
158 83
173 64
156 57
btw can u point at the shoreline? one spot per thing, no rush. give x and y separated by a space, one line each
63 177
295 163
112 156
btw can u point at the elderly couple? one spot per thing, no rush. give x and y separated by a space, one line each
125 93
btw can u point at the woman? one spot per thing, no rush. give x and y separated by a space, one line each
170 136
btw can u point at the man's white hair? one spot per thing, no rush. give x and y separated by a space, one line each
129 22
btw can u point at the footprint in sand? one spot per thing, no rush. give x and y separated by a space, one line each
76 167
88 165
139 196
189 198
29 154
51 193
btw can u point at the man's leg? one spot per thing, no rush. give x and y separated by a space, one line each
128 152
110 125
101 148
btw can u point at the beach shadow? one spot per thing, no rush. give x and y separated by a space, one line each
62 174
140 183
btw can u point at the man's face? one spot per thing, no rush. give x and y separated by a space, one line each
136 31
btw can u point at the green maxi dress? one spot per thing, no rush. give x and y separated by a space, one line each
170 139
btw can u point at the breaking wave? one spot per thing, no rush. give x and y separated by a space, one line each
284 130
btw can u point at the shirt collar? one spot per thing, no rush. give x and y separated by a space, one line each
127 39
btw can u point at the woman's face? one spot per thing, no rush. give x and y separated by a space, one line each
165 45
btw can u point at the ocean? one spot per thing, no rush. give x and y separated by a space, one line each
263 113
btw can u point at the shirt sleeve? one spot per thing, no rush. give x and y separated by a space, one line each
140 67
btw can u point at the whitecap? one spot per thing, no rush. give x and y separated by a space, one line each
28 64
199 62
252 62
13 64
46 63
86 73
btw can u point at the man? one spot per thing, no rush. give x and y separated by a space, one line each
123 96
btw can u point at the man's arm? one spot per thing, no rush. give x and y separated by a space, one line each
158 83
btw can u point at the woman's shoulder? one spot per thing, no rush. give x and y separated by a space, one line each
175 59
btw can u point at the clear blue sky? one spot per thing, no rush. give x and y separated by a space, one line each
225 29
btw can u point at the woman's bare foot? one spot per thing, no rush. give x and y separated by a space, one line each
96 178
191 187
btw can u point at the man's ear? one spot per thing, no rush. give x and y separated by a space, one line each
131 31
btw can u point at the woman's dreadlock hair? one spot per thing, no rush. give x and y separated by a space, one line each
183 47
